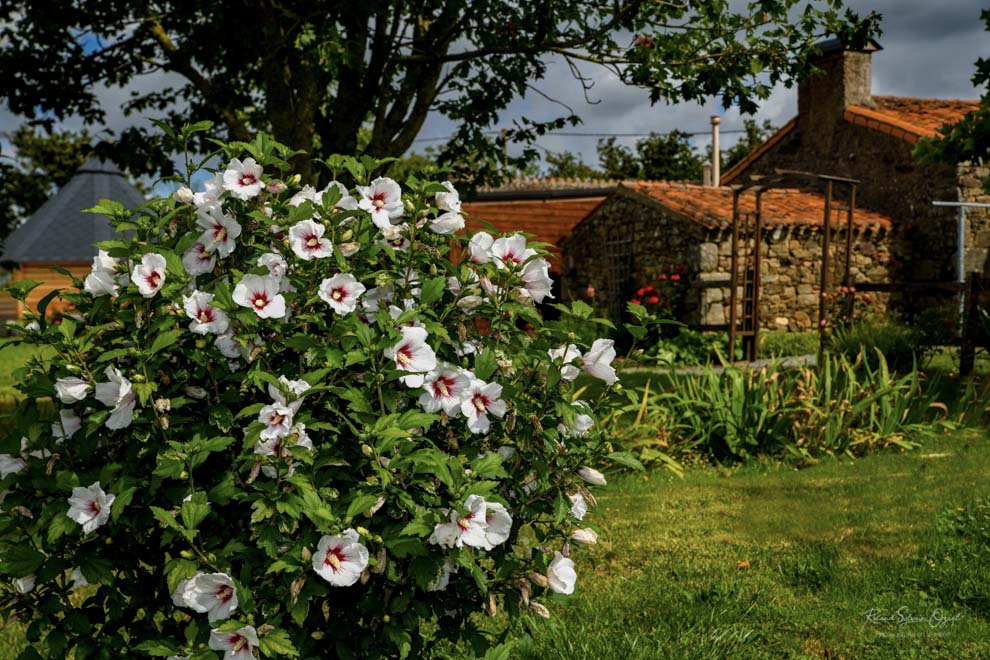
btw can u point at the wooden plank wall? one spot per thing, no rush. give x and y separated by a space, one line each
50 280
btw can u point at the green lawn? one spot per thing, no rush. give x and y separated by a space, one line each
819 548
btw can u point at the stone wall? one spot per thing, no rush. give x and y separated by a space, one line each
977 241
627 241
891 183
791 273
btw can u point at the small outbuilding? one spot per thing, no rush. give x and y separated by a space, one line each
61 234
647 230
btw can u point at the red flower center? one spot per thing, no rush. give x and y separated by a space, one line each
260 299
248 179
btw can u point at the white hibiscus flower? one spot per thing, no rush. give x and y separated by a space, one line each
90 506
340 559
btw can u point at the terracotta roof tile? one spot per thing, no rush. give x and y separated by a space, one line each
549 220
549 183
712 207
909 118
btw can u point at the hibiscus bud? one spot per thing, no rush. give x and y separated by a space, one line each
186 554
540 610
51 464
265 628
538 579
296 588
566 550
588 497
586 536
524 591
294 180
183 195
276 187
195 392
592 476
163 422
23 511
363 531
163 405
491 607
306 555
365 576
376 506
384 461
255 469
367 450
348 249
380 562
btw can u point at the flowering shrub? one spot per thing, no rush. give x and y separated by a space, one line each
280 432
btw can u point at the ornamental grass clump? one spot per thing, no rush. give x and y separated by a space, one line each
282 433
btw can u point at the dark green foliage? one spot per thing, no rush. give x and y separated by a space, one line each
315 74
899 343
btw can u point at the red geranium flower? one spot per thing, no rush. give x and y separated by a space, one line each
675 277
663 276
653 300
635 301
641 292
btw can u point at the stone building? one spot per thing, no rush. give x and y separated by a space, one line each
842 130
645 228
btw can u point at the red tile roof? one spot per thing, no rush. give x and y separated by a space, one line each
548 219
549 183
905 118
909 118
712 207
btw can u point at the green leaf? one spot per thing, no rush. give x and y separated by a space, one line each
277 643
432 290
96 569
561 508
489 466
169 468
22 288
109 208
195 510
361 504
61 525
484 364
159 647
164 340
20 560
44 302
406 546
177 570
626 459
121 500
400 637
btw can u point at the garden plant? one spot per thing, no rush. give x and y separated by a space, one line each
283 432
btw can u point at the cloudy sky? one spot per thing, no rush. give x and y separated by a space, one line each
929 50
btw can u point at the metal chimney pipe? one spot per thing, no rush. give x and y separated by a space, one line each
716 173
706 174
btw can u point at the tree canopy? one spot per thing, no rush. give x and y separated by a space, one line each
316 73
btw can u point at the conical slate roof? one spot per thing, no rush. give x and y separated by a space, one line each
59 231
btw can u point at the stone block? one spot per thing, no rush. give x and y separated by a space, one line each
802 320
708 257
715 315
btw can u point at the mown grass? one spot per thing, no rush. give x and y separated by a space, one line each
764 562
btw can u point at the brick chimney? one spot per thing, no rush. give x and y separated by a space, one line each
822 99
